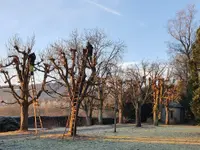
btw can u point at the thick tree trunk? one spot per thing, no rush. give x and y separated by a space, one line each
73 120
115 115
138 115
167 115
90 114
120 108
87 116
24 116
76 122
121 115
155 113
88 121
100 112
100 109
155 118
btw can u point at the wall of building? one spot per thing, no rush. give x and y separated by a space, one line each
174 115
174 118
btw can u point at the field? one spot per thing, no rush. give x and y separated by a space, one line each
102 137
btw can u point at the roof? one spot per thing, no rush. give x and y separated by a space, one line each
175 105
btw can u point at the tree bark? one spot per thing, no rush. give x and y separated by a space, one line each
87 115
100 112
138 115
167 115
88 119
156 111
73 124
155 117
121 115
24 116
90 114
100 109
120 107
91 111
115 116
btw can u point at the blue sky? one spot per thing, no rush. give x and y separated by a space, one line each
140 23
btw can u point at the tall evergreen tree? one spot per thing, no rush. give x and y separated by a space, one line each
194 69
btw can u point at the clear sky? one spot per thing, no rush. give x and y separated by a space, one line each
140 23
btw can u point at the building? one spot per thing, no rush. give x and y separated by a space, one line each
176 113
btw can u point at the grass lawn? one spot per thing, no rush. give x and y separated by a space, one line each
101 137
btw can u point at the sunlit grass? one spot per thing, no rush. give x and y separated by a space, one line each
152 140
16 132
158 135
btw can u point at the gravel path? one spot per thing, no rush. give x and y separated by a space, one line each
102 138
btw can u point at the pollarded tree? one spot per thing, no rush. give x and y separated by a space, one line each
77 67
164 91
171 92
22 58
157 71
73 76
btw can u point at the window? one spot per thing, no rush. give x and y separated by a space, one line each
171 114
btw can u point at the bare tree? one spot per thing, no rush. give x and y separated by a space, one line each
102 93
182 30
171 92
78 67
95 99
21 58
139 84
72 73
90 103
179 65
109 53
117 86
157 71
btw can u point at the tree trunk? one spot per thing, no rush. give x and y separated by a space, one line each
156 111
121 115
91 111
138 115
90 114
87 115
156 107
155 117
73 119
24 116
100 109
88 118
115 115
100 112
120 107
76 122
167 115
